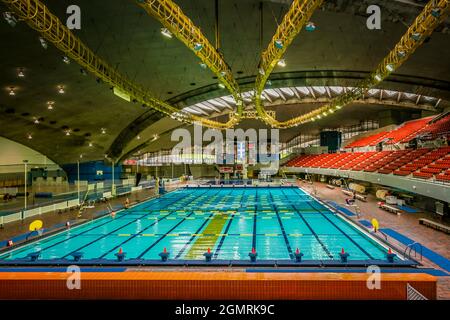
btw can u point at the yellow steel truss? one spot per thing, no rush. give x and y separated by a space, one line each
38 17
298 15
430 17
172 17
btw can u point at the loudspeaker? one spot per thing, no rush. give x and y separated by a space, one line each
138 178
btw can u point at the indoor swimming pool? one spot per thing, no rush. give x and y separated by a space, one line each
230 221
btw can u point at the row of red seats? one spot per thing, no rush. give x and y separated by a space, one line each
371 140
421 163
438 128
402 133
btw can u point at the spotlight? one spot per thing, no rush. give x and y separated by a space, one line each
281 63
261 71
338 107
390 67
9 17
279 44
378 77
325 113
198 46
331 111
61 90
43 43
20 73
11 91
66 60
103 130
138 137
166 33
29 136
416 36
68 132
319 116
436 12
310 26
401 54
221 86
36 121
202 65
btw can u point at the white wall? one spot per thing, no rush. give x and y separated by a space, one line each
12 155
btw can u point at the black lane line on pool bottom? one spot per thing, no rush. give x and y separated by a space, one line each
345 234
222 239
193 237
165 235
315 235
288 245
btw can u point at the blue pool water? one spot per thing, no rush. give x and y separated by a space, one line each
229 221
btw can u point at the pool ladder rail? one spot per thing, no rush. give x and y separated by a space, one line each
413 246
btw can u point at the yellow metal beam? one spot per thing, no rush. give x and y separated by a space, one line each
172 17
39 18
430 17
298 15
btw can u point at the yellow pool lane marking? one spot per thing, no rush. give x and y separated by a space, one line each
201 244
124 235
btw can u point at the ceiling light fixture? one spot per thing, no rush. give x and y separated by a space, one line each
202 65
103 130
50 105
68 132
221 86
138 137
198 46
281 63
43 43
61 90
416 36
66 60
279 44
10 18
11 91
166 33
378 77
390 67
90 144
436 12
310 26
20 73
29 136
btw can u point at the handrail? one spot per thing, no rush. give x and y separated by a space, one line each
411 246
431 16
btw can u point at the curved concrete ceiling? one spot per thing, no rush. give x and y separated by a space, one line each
341 50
